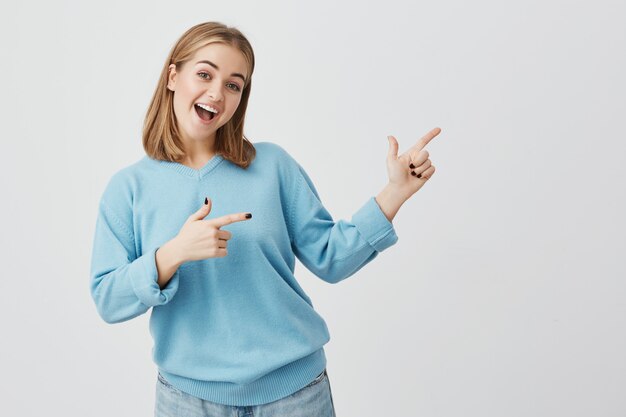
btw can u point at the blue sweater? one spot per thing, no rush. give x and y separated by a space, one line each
237 330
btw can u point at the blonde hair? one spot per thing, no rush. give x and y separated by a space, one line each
161 137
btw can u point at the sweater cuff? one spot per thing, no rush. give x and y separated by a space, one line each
374 226
144 279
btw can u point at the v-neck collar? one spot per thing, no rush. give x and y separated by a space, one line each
200 173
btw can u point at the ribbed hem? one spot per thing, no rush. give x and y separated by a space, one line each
277 384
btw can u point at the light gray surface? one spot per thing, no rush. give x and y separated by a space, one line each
504 295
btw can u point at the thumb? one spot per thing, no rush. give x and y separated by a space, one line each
202 211
393 148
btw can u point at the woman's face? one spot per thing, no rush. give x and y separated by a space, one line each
214 76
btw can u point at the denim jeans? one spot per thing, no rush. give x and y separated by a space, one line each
314 400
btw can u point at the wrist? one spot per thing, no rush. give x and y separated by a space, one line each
390 199
400 194
172 251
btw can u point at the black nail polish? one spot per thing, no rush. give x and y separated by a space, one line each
248 215
413 173
419 175
206 200
411 166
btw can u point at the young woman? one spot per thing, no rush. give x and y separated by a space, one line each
205 229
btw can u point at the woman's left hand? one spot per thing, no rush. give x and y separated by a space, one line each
410 171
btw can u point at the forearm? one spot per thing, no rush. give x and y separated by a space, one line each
390 199
168 260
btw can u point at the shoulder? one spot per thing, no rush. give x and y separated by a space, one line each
120 188
275 155
275 158
270 148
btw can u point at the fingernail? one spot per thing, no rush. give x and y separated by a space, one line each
206 200
411 166
413 173
419 175
248 215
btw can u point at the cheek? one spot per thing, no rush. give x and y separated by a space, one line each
185 94
181 110
235 106
184 101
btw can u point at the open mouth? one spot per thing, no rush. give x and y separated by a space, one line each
203 114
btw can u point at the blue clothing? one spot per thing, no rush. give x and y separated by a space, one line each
315 399
236 330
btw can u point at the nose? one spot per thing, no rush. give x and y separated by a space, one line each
215 92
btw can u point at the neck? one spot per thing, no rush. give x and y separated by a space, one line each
198 153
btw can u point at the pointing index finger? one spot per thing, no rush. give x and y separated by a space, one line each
231 218
427 138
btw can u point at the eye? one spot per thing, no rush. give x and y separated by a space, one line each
235 86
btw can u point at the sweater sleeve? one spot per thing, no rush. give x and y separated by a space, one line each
331 250
122 284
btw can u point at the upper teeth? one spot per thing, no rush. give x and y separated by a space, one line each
209 108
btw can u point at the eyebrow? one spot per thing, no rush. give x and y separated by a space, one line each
234 74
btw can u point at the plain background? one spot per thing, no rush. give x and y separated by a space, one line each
505 294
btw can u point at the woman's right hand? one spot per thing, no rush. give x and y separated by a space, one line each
201 239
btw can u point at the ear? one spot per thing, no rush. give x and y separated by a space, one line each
171 77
